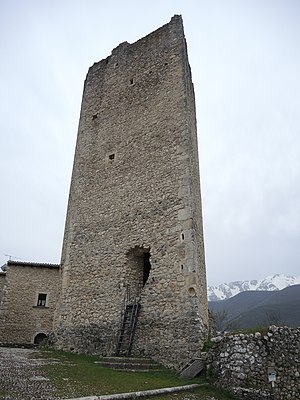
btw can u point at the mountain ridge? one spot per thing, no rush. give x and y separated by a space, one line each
258 308
270 283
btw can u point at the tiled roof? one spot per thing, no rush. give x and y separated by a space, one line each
32 264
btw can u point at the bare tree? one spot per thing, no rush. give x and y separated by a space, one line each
221 320
274 317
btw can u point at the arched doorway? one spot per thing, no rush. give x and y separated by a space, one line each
40 338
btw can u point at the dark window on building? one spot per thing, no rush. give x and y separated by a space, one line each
42 300
111 157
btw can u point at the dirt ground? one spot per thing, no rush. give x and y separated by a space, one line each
21 377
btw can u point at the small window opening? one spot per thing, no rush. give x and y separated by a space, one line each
116 64
182 236
181 267
95 116
42 300
131 81
147 268
111 157
166 63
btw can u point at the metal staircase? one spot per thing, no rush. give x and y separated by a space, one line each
128 323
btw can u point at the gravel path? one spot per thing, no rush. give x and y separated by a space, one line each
21 377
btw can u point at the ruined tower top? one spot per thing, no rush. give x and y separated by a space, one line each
155 39
133 235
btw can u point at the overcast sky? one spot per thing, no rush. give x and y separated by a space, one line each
245 60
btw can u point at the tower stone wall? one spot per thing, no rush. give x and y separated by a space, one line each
135 196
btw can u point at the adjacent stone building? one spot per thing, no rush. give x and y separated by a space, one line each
27 301
2 281
133 269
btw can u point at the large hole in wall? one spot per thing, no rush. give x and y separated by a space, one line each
138 267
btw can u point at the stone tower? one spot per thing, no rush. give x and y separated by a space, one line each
133 240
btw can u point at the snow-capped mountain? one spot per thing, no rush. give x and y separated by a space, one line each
271 282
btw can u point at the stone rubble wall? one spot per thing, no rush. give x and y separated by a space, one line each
239 363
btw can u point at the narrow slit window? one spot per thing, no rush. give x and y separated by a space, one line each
131 81
42 300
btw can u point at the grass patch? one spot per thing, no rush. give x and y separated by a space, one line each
75 375
79 375
261 329
207 345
